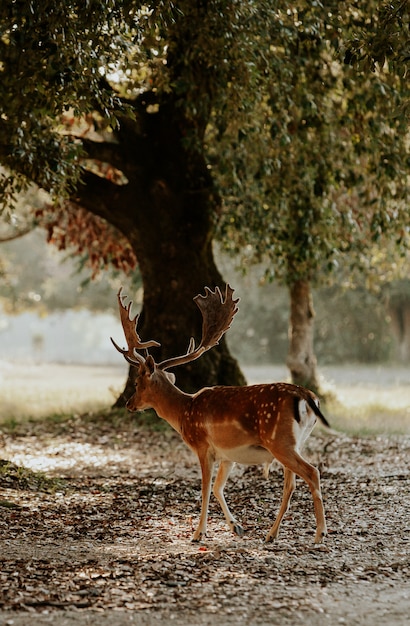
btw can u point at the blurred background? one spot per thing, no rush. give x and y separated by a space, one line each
52 312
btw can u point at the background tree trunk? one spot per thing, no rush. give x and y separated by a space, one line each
301 359
400 320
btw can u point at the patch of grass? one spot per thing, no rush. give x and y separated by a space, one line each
368 419
54 423
9 424
361 419
36 390
6 504
13 476
59 399
107 419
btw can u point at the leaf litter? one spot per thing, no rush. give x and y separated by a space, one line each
105 528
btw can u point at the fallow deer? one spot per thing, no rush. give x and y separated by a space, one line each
249 425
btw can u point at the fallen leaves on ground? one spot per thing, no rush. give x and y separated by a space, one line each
109 525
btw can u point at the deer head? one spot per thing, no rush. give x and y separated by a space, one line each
217 315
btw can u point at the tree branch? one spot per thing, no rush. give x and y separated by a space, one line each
21 233
103 198
108 152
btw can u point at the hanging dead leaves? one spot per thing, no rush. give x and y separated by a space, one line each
112 529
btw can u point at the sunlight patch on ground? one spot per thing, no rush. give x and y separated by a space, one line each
67 456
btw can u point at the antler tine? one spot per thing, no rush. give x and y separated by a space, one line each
191 345
217 315
217 319
129 325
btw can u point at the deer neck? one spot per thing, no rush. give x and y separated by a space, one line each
172 406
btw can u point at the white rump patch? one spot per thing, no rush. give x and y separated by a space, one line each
303 411
302 429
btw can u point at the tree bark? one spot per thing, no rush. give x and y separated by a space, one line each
301 359
167 211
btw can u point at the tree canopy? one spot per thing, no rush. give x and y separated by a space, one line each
268 81
326 183
93 57
164 118
327 159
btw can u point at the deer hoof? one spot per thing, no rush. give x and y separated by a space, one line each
237 529
319 538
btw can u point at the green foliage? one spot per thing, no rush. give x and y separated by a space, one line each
311 155
55 58
383 39
321 181
51 56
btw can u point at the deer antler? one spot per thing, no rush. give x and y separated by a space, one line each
134 342
217 315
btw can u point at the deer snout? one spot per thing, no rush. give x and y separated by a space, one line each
131 405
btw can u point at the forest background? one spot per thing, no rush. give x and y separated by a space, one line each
279 131
354 323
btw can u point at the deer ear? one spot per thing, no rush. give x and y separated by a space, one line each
150 364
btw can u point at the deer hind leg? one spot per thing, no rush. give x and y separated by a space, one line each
220 482
289 485
207 465
296 464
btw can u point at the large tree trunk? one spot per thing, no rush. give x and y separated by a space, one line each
167 211
169 315
301 358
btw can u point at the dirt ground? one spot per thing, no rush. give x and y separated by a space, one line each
102 535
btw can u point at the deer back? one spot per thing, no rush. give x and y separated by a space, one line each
252 415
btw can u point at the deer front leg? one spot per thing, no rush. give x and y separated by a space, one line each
289 485
207 464
220 482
